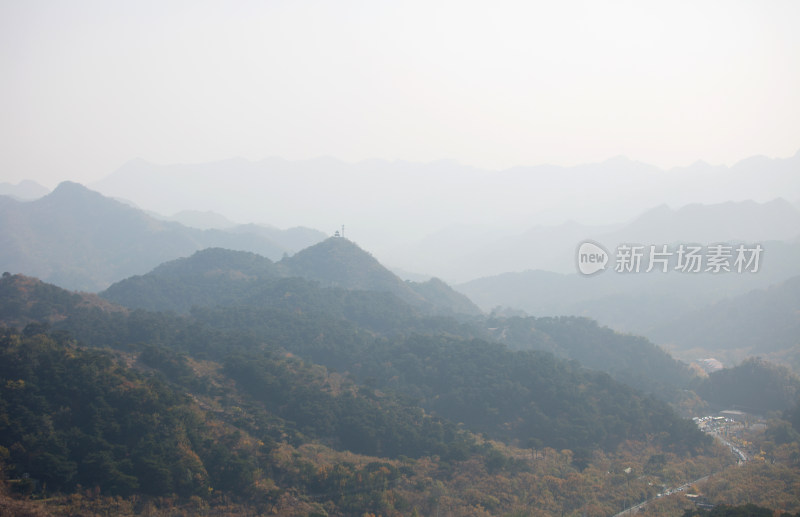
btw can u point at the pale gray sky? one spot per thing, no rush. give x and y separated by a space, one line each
89 85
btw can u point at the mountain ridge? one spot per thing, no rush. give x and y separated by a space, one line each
333 263
470 252
763 322
25 190
315 192
81 239
457 366
638 303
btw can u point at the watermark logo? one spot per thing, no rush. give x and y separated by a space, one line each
683 258
592 258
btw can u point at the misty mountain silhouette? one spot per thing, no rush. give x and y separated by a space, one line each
762 322
471 253
745 221
79 239
219 276
645 304
24 190
340 262
394 204
209 262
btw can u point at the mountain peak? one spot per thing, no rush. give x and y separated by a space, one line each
71 185
28 294
340 246
71 191
339 261
68 187
82 203
210 261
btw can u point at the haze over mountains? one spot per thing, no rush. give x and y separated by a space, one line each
294 341
216 276
79 239
24 190
762 322
460 223
468 253
317 259
388 206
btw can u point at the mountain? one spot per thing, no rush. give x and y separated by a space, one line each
744 221
436 293
291 239
25 300
147 424
241 410
218 276
79 239
474 251
340 262
637 303
464 252
213 262
408 200
512 395
349 285
207 220
23 191
208 277
632 360
755 386
762 322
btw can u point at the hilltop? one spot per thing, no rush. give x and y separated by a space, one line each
218 276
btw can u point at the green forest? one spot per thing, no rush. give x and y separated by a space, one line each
283 395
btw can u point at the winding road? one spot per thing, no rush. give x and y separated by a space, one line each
742 459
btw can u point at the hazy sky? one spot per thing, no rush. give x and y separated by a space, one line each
89 85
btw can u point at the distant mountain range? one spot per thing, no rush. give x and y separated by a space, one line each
762 322
459 223
78 239
207 220
217 276
24 190
390 206
730 316
638 303
547 293
471 252
229 346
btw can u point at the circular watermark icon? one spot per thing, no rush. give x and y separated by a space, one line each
591 258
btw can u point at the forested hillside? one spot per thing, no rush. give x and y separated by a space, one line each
227 392
399 259
517 396
755 386
630 359
247 383
224 277
246 283
762 322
